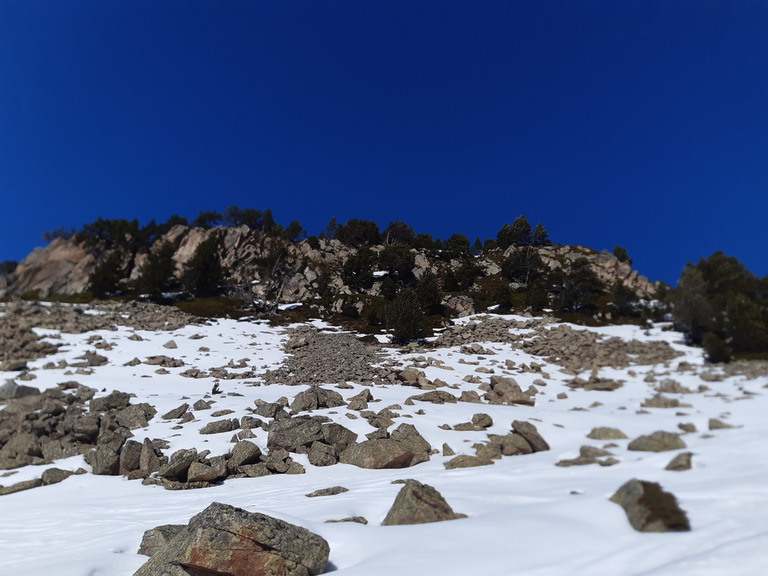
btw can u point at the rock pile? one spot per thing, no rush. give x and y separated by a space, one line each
42 427
328 358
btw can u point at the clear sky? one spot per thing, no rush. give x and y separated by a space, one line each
640 123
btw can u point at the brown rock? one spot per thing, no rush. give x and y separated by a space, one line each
418 503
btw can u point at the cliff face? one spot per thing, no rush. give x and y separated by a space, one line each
64 266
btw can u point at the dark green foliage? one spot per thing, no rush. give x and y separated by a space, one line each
523 266
477 247
8 266
625 302
718 296
539 236
294 232
404 317
398 233
111 234
425 242
105 278
234 216
356 232
428 293
60 232
398 261
389 288
207 219
580 288
457 246
489 246
203 273
330 230
537 294
462 277
358 269
621 253
158 274
314 242
516 234
153 231
715 348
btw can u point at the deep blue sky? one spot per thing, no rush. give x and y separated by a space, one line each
643 124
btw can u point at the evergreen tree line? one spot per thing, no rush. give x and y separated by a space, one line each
718 304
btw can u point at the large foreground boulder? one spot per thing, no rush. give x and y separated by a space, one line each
649 508
418 503
228 541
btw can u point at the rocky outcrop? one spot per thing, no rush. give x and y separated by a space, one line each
418 503
649 508
311 268
230 541
62 267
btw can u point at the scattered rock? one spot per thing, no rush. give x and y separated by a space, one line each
659 441
467 461
605 433
333 491
649 508
680 462
716 424
418 503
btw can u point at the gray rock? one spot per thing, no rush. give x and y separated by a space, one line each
504 390
243 453
114 400
531 435
482 420
130 457
55 475
466 461
605 433
418 503
680 462
154 539
511 444
230 541
199 472
20 486
316 397
179 463
333 491
436 397
220 426
104 461
321 454
658 441
649 508
715 424
338 436
294 434
176 412
10 390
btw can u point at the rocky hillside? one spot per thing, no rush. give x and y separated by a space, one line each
309 270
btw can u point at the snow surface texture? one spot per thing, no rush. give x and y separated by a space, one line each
525 515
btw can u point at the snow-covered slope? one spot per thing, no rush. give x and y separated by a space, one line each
525 515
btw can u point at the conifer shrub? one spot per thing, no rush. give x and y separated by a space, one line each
404 317
105 278
357 271
203 272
